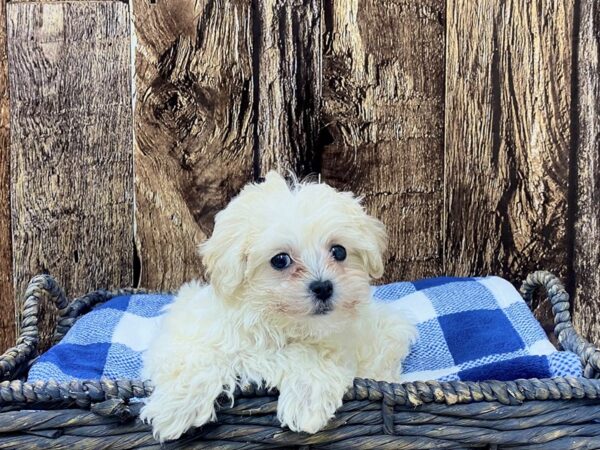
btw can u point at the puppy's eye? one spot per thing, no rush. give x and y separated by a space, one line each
281 261
338 252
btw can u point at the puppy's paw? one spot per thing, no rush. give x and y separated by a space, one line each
308 408
301 417
170 419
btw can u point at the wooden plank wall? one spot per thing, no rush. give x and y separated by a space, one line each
470 128
383 102
7 305
586 171
193 126
507 137
287 85
71 152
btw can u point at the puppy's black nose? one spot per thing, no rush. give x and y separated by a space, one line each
322 289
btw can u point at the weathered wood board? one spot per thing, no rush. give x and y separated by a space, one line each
474 137
7 303
287 76
586 306
193 128
383 103
508 88
71 149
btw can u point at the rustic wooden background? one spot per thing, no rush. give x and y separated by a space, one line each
472 128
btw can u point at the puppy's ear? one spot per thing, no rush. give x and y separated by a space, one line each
223 253
374 244
369 235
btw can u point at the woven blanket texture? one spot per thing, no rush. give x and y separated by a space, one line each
469 329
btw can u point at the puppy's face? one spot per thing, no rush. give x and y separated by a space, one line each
295 256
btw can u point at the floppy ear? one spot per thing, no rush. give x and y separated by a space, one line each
370 235
375 243
223 253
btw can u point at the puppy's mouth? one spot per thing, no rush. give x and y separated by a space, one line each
322 308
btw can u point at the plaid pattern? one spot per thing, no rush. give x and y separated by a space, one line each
474 329
469 329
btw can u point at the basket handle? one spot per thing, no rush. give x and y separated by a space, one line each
16 359
82 305
563 327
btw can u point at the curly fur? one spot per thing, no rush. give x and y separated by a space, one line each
253 323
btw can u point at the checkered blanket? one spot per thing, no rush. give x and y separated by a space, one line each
470 329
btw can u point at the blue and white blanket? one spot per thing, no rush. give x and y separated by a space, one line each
469 329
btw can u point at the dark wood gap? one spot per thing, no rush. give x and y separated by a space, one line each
256 48
572 209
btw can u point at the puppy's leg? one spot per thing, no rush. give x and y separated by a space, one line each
384 343
186 366
311 387
186 400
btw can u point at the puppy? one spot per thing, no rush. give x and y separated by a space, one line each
288 305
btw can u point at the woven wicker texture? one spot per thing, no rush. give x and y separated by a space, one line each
559 413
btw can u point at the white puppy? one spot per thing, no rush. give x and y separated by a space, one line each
289 305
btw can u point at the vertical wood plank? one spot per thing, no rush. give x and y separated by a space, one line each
71 160
383 100
586 309
288 77
193 127
507 136
7 304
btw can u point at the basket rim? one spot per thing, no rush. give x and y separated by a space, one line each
83 393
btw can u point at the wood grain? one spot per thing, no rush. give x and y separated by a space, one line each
507 137
193 128
288 85
383 103
586 308
71 160
7 304
353 89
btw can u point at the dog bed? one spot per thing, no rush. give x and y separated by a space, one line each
472 329
558 412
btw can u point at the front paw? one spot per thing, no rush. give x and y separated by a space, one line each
308 409
170 419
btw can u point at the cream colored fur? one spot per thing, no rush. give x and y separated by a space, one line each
254 323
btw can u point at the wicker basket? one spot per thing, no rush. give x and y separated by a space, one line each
560 413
